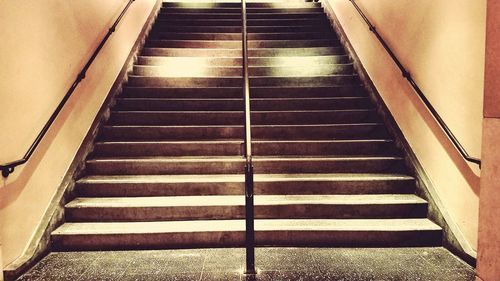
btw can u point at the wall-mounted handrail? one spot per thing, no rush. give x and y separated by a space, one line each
9 167
417 90
249 204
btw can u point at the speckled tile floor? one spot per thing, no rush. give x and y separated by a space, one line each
272 263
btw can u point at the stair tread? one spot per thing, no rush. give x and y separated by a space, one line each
240 158
232 41
250 49
236 141
252 77
252 99
109 228
235 62
240 178
241 111
239 200
251 67
240 126
252 87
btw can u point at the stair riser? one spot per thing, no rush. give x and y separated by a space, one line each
237 62
214 167
159 168
160 23
325 69
339 166
236 118
237 36
305 211
237 16
237 29
236 148
236 92
238 5
236 53
123 189
237 44
235 105
213 133
143 81
237 239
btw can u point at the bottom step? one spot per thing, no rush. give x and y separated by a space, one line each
231 233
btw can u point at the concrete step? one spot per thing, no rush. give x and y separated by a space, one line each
259 132
237 29
289 61
227 81
249 5
235 148
237 36
160 22
231 233
228 207
235 165
236 117
200 62
264 184
194 70
236 92
234 44
237 16
236 52
162 104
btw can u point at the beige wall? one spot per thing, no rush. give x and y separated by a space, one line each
44 45
488 261
442 45
1 263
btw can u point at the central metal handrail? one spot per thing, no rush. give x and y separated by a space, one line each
249 204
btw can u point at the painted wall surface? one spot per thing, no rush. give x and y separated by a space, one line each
44 46
1 263
488 260
442 45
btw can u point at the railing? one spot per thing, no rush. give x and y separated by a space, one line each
419 92
249 206
9 167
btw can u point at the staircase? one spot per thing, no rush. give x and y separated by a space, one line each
167 167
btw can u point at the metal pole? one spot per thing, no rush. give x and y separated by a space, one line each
249 206
250 231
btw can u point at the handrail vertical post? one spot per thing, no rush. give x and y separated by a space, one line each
249 201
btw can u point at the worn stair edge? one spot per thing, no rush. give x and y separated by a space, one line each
235 165
356 147
177 185
236 52
235 92
236 62
196 207
198 70
224 233
259 132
